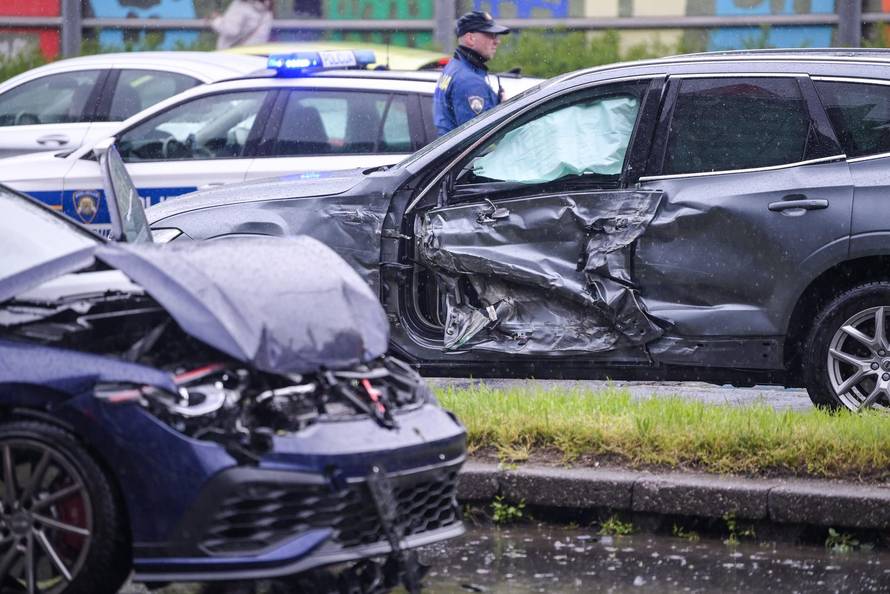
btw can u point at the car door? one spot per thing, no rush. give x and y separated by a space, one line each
528 246
757 195
130 90
51 112
326 129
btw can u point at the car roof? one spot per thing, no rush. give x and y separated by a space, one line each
789 55
206 66
390 56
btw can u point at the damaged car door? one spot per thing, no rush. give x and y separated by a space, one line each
757 198
529 242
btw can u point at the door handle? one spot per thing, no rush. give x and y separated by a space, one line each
59 139
493 214
798 202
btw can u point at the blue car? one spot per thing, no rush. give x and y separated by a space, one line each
211 411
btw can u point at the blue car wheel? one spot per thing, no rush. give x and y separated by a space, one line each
60 521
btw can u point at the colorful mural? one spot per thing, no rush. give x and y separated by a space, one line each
144 9
14 40
524 9
383 9
741 37
713 39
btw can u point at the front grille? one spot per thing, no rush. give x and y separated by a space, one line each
258 515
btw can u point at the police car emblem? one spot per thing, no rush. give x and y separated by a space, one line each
476 104
86 205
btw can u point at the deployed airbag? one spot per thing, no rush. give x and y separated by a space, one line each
581 139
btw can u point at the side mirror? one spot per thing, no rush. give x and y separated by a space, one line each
101 147
128 221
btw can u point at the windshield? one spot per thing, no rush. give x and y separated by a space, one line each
31 234
483 117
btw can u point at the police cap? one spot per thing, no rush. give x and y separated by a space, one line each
478 21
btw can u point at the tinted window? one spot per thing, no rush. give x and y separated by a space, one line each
860 114
319 123
211 127
29 235
137 89
584 135
55 99
725 124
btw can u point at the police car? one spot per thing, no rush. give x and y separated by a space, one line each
69 102
307 112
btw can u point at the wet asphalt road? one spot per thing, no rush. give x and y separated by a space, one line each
531 558
776 396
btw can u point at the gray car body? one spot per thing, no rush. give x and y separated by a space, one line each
711 282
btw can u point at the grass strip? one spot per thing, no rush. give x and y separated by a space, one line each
582 426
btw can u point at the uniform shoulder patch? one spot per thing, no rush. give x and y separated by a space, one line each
444 81
476 103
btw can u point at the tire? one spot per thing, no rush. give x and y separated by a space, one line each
842 369
70 511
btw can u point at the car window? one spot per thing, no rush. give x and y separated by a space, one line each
860 114
728 123
31 235
323 123
54 99
210 127
584 135
137 89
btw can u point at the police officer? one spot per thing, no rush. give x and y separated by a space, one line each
463 92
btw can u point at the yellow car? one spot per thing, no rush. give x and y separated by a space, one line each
391 57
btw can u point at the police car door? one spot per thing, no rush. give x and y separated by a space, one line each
531 241
323 129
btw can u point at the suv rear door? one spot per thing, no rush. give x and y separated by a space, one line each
757 198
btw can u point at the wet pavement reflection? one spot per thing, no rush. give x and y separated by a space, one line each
545 558
531 558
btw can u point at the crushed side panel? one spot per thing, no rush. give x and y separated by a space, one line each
542 274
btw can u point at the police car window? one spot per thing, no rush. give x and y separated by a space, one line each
29 235
581 138
337 123
137 89
55 99
744 123
860 114
210 127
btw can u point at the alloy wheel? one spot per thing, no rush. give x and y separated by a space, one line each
859 361
46 521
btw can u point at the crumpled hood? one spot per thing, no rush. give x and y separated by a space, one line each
286 306
298 185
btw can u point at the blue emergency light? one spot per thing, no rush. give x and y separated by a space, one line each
299 63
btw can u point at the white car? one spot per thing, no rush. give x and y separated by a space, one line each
281 122
80 100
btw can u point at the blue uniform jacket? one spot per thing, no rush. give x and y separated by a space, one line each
462 92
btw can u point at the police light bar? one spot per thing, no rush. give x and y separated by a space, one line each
298 63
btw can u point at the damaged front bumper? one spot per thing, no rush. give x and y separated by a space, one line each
252 523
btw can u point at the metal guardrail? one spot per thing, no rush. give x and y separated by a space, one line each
849 21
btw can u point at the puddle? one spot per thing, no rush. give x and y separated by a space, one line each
545 558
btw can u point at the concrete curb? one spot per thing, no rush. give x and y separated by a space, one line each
782 501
